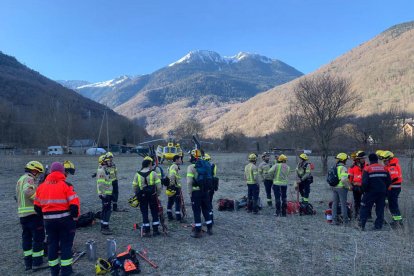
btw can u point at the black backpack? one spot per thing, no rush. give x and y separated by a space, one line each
85 220
306 209
332 178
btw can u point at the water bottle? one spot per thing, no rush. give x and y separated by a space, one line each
91 250
110 247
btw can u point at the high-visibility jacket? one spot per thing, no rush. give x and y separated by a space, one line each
303 171
394 169
214 168
355 174
25 194
174 176
191 177
103 181
251 174
342 176
263 170
54 196
113 172
280 174
151 180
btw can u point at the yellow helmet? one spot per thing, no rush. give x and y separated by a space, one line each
170 192
133 202
282 158
207 157
354 155
109 155
303 156
35 166
341 156
386 155
101 159
360 154
252 157
196 153
102 267
148 158
69 167
379 153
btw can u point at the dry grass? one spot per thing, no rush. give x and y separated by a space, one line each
242 244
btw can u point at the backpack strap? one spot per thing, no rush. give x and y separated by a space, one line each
144 175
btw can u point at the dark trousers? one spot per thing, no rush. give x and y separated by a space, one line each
392 196
115 194
148 200
357 192
60 234
368 200
253 191
304 190
210 198
268 188
280 197
33 235
175 199
200 204
106 210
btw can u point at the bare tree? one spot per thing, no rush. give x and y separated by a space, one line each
188 127
323 102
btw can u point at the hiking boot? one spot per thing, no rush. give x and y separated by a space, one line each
106 231
196 234
269 203
210 231
146 235
28 263
155 232
170 216
115 207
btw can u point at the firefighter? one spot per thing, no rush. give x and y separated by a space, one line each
33 233
375 182
146 186
280 174
304 177
199 198
340 191
113 177
214 188
253 189
355 179
104 189
263 170
59 204
174 189
69 167
394 169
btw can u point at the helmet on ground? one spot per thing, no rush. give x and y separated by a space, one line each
282 158
170 192
379 153
207 157
252 157
133 202
35 166
102 267
109 155
69 167
341 156
360 154
387 155
148 158
101 159
303 156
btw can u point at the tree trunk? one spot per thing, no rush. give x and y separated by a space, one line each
324 159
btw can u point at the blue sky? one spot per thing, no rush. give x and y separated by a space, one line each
96 40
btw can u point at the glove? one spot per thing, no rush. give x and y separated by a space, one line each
38 210
74 211
102 196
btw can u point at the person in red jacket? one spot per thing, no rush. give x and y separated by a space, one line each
355 178
59 205
393 168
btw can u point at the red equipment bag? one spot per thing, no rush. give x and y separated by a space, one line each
293 207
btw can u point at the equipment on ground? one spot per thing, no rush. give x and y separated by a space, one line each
77 256
225 204
305 209
161 216
86 220
102 267
339 209
143 255
241 203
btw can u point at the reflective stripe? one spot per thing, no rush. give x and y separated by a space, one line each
378 175
22 210
198 225
396 186
38 254
397 217
48 201
72 197
155 223
27 253
190 175
177 212
169 211
54 262
305 199
209 222
146 224
104 223
55 216
66 262
108 192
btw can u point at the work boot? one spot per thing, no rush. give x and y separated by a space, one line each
396 223
178 217
41 266
28 262
146 232
196 234
106 231
54 270
155 231
283 212
170 216
269 203
210 230
277 214
115 207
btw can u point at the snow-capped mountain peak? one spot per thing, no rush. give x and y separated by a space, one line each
108 83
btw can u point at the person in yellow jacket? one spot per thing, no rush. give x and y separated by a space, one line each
251 176
147 188
113 177
174 189
304 177
33 233
104 189
340 191
280 175
263 170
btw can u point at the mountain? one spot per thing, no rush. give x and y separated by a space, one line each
72 84
36 111
381 71
202 84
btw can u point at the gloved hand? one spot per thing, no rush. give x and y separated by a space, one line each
74 211
38 210
102 196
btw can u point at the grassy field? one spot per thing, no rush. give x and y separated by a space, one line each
242 244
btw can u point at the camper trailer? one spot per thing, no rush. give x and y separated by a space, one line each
55 150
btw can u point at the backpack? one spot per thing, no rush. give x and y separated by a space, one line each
204 175
225 204
306 208
85 220
332 178
127 261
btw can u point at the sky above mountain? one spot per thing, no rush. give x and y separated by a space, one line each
97 40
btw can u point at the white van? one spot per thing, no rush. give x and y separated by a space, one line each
54 150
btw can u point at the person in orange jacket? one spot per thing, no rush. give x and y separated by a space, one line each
355 178
59 205
394 169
